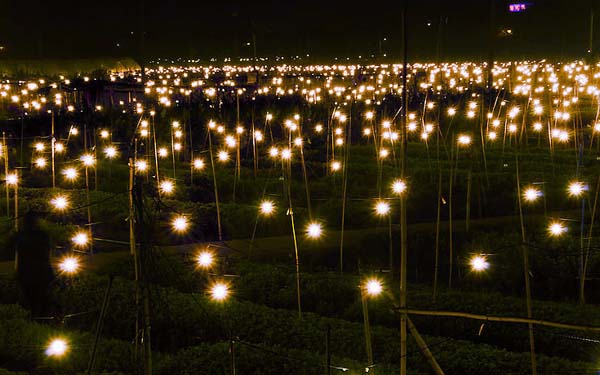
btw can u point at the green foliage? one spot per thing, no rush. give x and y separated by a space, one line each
181 320
23 344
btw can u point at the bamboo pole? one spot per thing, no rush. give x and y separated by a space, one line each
435 366
5 149
52 143
345 188
403 231
525 252
212 164
367 326
505 319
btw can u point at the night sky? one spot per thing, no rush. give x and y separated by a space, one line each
323 29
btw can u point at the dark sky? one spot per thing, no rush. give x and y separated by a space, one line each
323 29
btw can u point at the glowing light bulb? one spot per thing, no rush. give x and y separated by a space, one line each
398 186
80 239
531 194
219 291
60 202
57 347
479 263
12 179
267 207
87 160
110 152
167 187
70 173
198 164
141 165
69 265
314 230
230 141
180 224
373 287
286 154
576 189
223 156
464 140
382 208
41 163
336 166
205 259
556 229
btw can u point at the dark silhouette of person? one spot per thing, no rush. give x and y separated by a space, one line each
34 272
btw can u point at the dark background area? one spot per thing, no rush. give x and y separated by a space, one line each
322 29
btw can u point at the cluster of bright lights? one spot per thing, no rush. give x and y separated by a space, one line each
532 83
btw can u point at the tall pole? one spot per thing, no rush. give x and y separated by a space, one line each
591 42
53 142
17 201
491 40
288 191
87 193
525 252
345 185
5 149
232 355
216 190
328 348
403 232
99 325
143 257
367 326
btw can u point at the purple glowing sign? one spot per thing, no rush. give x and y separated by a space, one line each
517 7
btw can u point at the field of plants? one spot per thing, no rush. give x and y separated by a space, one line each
252 220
